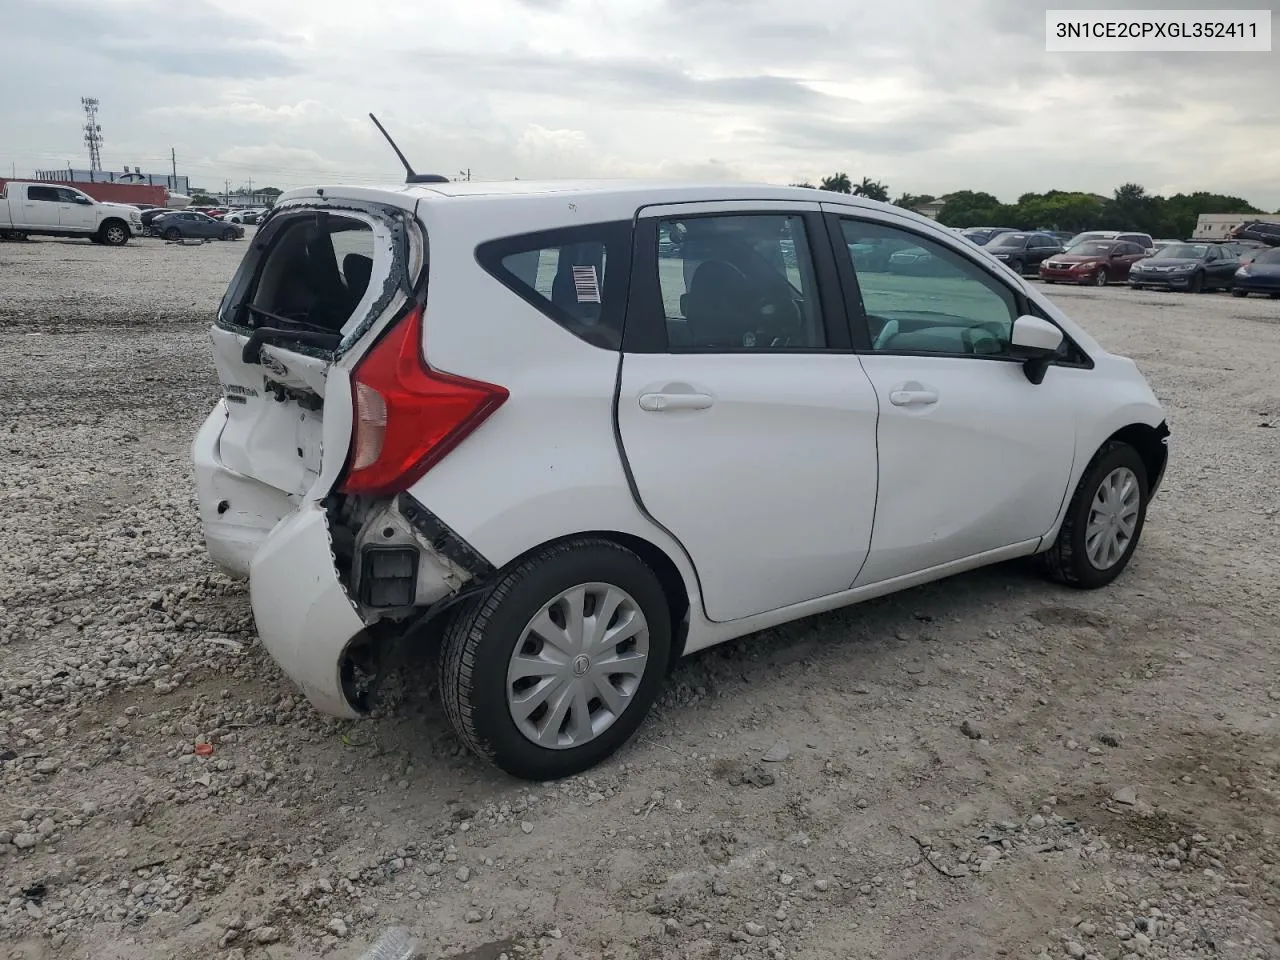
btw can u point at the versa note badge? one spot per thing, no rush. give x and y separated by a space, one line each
273 365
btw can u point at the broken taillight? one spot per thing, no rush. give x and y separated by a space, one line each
407 417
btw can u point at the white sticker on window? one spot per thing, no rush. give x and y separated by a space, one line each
586 284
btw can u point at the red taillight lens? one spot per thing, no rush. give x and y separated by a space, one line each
408 416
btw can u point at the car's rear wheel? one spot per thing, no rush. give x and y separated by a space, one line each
1100 278
1104 520
1237 292
554 667
172 234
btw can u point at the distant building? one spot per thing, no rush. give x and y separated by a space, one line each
170 183
931 209
244 200
1216 226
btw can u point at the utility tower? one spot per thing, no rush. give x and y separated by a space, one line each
92 132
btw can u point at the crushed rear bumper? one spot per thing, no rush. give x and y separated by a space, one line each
304 616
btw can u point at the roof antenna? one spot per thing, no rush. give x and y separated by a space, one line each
410 176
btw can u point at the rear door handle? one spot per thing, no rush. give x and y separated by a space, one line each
662 402
913 397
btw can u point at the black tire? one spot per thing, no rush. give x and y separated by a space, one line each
1067 561
1239 293
1197 283
1100 278
113 233
480 637
1051 281
172 234
1017 266
228 234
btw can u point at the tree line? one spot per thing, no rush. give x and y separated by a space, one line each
1129 208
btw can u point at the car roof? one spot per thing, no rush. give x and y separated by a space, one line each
629 194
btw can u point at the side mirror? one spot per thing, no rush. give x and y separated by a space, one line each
1035 342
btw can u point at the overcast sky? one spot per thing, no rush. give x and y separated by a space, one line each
927 96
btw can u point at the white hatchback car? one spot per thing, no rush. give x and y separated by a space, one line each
572 431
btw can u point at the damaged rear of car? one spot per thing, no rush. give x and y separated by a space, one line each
329 412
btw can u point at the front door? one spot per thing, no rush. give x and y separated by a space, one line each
747 423
972 456
73 212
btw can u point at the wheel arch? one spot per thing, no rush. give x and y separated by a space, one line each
665 569
1150 443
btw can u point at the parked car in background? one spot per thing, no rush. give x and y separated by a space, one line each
1187 266
151 218
1260 230
53 210
1098 262
1144 240
1023 252
980 235
577 503
243 216
189 225
1260 275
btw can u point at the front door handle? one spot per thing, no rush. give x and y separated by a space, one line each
662 402
913 395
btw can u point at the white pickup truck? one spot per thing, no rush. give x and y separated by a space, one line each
54 210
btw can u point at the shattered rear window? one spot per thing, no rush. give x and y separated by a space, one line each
330 271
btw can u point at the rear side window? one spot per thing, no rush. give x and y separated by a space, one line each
576 276
49 194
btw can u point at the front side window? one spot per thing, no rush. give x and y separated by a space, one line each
576 276
739 282
931 299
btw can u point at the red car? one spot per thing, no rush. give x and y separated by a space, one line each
1098 262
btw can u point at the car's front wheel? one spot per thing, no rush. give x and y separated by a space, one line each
1104 520
1100 278
555 666
1237 292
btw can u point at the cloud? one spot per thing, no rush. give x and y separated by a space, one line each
188 38
925 96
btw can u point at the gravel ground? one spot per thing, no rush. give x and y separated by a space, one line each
989 766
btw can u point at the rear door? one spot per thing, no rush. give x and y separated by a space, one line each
747 422
39 208
306 303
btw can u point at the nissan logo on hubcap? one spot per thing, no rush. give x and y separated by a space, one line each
580 666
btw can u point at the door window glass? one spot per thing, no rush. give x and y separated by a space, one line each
738 282
924 297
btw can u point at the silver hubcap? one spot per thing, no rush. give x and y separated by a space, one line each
1101 278
114 234
1113 517
577 665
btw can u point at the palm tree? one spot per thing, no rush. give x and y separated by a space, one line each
837 183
